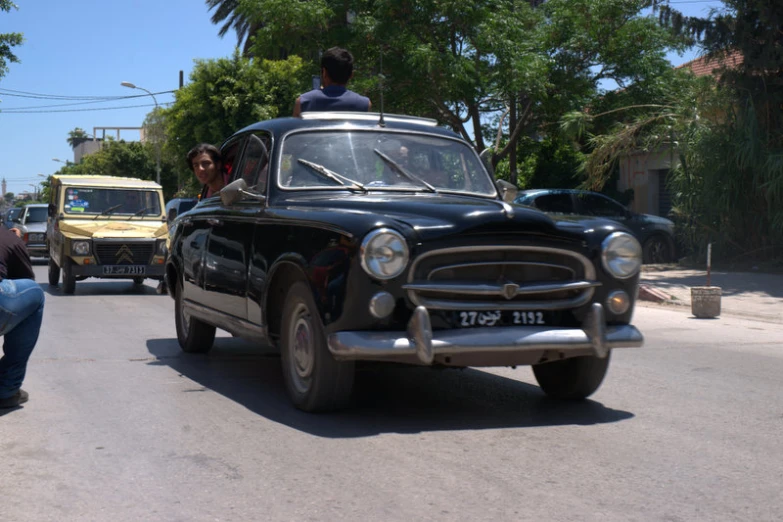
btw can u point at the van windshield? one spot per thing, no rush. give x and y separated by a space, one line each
111 201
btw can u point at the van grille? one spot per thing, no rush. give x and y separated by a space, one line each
124 252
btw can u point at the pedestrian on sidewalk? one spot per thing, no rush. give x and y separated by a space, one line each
336 71
21 314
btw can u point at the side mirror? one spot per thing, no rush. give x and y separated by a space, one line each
508 192
52 210
486 158
172 214
232 192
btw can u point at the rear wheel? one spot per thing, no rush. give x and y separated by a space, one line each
138 281
575 378
69 280
54 272
314 379
194 336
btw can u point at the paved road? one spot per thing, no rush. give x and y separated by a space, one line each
121 426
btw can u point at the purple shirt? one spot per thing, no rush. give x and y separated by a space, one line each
333 98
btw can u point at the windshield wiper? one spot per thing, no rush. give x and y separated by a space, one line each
332 175
139 212
108 211
402 172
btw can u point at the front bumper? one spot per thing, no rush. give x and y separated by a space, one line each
496 346
38 250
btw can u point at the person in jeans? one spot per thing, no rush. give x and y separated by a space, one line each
21 313
336 71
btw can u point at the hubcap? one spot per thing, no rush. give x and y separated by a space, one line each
303 351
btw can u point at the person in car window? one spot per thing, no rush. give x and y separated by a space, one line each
336 71
21 314
206 163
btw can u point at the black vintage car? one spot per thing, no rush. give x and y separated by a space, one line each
347 237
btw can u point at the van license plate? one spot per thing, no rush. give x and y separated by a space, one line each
125 270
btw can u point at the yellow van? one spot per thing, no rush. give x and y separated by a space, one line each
106 227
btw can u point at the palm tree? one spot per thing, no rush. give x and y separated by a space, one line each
228 11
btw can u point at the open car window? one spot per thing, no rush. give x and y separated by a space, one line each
375 159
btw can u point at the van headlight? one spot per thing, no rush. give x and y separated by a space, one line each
80 248
162 249
384 253
621 255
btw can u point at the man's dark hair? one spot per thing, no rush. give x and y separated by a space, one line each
201 148
338 63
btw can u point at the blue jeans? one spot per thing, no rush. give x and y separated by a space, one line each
21 313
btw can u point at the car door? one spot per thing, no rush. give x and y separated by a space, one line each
232 231
598 205
556 202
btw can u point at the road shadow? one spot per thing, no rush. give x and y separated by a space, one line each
386 399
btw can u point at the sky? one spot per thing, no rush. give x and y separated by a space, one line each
86 48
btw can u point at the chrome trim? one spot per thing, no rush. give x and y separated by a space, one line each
491 263
500 289
506 290
231 324
420 345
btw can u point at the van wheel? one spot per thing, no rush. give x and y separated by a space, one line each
574 378
54 273
69 280
314 379
138 281
194 336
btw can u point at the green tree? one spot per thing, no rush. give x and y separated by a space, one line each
8 41
76 136
468 63
223 96
229 13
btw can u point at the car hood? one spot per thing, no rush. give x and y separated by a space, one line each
34 227
114 229
433 216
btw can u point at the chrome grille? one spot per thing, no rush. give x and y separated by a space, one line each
501 278
124 252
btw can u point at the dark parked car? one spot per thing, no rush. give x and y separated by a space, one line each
177 206
346 237
654 233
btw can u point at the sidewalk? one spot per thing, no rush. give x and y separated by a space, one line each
747 294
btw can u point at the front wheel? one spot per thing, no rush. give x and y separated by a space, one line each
138 281
314 379
657 250
575 378
194 336
69 280
54 272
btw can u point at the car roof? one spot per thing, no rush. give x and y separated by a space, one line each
348 121
33 205
106 181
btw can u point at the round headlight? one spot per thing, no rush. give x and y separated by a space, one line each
621 255
162 249
384 253
81 248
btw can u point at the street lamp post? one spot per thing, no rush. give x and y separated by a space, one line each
157 142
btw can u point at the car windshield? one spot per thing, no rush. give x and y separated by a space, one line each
36 215
111 201
376 160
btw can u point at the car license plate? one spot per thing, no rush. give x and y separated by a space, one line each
468 319
36 238
124 270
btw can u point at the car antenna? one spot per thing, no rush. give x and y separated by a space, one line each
381 77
